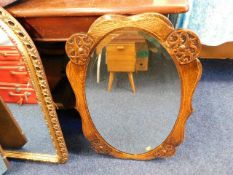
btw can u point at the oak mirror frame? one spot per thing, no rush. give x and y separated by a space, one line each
44 102
183 46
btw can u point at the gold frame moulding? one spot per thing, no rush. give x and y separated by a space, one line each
36 72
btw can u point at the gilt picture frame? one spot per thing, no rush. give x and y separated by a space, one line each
37 75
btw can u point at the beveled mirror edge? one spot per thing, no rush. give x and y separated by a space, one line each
33 63
188 67
33 156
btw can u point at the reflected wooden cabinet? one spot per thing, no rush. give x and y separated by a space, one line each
123 54
121 57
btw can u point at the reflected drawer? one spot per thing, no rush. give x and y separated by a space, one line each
13 73
122 49
18 94
121 66
9 53
121 57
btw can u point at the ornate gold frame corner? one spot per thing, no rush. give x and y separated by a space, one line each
36 72
183 46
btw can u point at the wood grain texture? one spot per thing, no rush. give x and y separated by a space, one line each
221 51
189 70
46 29
56 20
39 8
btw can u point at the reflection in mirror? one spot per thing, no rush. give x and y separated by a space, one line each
11 134
3 162
16 90
133 91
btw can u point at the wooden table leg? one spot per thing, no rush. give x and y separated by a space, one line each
110 80
98 67
131 80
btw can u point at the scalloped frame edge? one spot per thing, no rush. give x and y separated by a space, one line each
183 46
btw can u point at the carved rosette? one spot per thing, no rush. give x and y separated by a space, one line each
78 48
184 45
165 151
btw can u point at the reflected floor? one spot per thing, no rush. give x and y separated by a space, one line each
31 121
3 167
135 123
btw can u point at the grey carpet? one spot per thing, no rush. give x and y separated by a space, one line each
207 148
31 120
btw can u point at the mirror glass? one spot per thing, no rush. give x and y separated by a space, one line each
18 93
3 165
133 91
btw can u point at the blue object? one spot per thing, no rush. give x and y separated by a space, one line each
211 20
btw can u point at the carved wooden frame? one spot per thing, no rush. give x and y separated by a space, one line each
34 66
182 45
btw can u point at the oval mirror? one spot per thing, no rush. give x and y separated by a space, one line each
133 83
133 91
